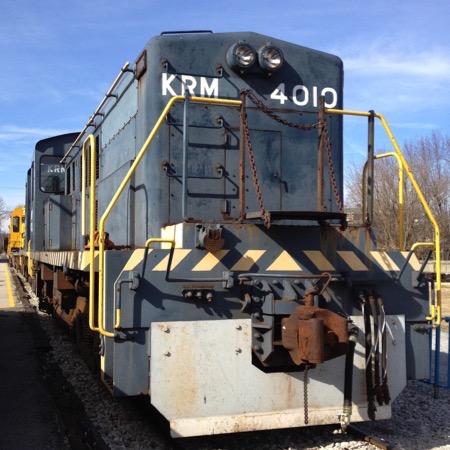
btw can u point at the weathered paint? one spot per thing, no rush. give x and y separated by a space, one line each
203 381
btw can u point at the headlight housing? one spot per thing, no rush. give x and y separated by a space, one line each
270 58
241 56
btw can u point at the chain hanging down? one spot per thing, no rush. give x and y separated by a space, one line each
320 124
305 393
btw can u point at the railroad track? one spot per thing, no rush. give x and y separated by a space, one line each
359 433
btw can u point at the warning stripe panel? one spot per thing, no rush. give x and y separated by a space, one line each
178 255
414 262
135 258
248 260
285 262
384 261
210 261
319 260
85 260
352 261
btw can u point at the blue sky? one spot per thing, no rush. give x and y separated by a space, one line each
60 57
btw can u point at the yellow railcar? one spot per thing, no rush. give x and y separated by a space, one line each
16 234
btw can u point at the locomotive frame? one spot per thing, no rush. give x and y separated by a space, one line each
237 297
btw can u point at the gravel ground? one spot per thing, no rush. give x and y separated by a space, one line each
420 415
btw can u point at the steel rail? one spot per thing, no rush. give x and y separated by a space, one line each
377 442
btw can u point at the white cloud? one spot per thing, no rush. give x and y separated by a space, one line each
14 133
379 62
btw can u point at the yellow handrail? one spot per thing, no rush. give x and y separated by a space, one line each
101 262
435 311
91 139
166 240
422 244
147 244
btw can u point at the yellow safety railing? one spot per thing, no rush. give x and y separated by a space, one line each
84 159
29 260
118 307
400 193
120 189
435 310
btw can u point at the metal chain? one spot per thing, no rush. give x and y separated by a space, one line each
331 168
251 156
305 393
262 107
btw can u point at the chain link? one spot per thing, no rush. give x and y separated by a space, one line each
259 199
305 393
331 168
323 124
261 106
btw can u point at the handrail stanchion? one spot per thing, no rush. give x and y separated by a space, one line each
435 310
447 319
91 140
131 170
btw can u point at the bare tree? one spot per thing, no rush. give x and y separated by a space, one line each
4 212
429 161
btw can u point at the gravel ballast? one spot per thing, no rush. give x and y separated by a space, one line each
420 414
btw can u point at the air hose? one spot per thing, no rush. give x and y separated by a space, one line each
348 378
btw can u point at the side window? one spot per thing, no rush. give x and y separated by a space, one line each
52 175
15 224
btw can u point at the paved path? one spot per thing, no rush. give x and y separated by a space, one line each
27 416
6 292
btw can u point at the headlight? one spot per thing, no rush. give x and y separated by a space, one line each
241 56
270 58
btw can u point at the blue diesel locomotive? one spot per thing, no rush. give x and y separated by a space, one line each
193 238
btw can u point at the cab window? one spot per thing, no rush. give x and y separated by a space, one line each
52 175
15 224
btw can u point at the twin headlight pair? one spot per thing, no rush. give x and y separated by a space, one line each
242 57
